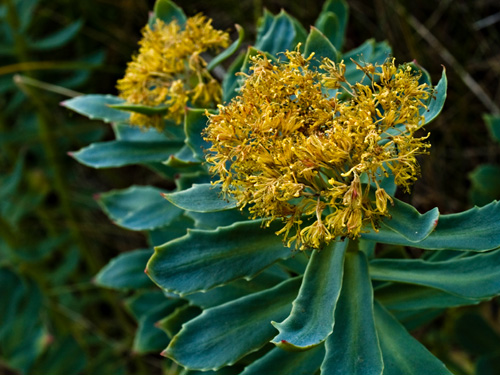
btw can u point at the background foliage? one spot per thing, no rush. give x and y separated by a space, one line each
54 239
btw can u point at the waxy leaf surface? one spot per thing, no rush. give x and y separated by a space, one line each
139 208
312 316
204 259
353 347
224 334
402 353
282 362
475 277
126 271
408 222
477 229
201 198
96 107
114 154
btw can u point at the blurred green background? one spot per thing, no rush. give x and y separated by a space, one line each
53 237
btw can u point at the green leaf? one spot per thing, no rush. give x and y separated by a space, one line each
486 180
316 42
184 158
96 107
408 222
402 353
353 347
126 271
173 322
167 11
213 220
477 229
201 198
224 334
279 37
138 208
413 319
282 362
476 277
194 124
437 100
228 51
402 297
125 132
204 259
177 228
264 24
340 9
312 318
140 108
231 81
149 338
236 289
328 24
493 124
114 154
144 301
57 39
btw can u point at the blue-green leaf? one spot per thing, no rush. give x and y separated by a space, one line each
201 198
282 362
408 222
204 259
279 37
224 334
229 51
477 229
149 338
213 220
126 271
140 108
236 289
402 297
436 103
119 153
312 318
328 24
138 208
475 277
316 42
96 107
353 347
231 81
167 11
174 321
402 353
194 124
125 132
340 9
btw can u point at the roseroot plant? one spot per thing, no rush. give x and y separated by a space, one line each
269 254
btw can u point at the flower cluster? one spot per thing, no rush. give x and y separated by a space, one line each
170 71
310 148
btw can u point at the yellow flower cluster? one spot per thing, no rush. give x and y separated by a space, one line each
307 147
170 71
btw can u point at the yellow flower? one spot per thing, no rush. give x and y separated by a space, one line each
288 151
169 70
